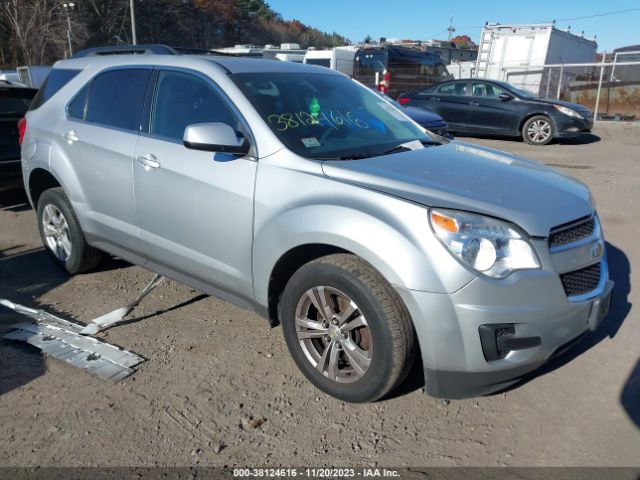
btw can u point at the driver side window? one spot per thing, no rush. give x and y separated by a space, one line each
182 99
481 89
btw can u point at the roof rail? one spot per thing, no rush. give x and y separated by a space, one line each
157 49
193 51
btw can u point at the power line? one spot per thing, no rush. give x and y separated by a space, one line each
585 17
595 15
605 14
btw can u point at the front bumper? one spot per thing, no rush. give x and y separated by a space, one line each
532 302
570 127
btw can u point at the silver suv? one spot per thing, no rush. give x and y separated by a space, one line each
296 192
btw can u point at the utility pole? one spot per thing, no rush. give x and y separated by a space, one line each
67 7
133 22
451 29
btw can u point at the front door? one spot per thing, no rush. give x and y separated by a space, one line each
194 208
450 101
488 112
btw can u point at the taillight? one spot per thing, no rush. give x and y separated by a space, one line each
404 100
22 129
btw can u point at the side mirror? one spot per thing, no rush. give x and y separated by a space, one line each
505 97
215 137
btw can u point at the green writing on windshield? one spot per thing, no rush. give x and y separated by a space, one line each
333 118
314 108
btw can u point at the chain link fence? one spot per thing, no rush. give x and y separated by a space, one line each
610 90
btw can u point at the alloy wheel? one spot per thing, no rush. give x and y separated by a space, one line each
333 334
539 131
56 232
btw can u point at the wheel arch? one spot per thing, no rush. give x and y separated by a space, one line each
290 262
40 180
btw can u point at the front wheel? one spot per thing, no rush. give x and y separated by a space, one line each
347 329
538 130
61 233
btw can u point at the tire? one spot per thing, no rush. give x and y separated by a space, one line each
61 234
538 130
369 351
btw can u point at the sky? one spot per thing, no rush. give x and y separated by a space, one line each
424 19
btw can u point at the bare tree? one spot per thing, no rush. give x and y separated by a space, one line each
36 28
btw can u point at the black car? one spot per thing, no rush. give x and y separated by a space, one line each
498 108
14 103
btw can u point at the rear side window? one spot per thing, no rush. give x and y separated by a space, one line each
456 88
183 99
116 98
56 79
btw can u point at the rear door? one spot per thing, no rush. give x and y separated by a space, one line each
488 112
449 100
194 208
99 137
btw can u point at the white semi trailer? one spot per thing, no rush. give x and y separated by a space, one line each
517 54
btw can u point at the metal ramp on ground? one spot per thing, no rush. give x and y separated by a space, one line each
72 343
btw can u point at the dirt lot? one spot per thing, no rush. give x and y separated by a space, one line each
219 387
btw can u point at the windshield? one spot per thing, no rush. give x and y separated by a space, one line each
520 91
328 116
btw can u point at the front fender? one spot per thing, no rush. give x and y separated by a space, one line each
390 233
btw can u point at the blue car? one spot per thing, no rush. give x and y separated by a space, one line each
424 117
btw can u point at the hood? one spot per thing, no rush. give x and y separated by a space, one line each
423 116
477 179
575 106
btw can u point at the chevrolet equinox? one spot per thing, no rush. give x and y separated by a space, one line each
296 192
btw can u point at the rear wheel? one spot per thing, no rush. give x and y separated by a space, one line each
538 130
347 329
61 234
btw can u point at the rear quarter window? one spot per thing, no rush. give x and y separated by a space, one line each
57 78
77 107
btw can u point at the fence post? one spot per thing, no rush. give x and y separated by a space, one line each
595 112
549 71
560 81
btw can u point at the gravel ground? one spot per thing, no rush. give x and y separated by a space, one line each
219 387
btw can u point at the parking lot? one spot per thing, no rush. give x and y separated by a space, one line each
219 387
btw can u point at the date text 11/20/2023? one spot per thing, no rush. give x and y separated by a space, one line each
315 473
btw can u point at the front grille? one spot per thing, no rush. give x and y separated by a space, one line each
571 233
581 281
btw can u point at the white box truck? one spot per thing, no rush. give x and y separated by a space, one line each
517 54
339 58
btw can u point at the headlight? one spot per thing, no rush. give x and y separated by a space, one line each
489 246
568 111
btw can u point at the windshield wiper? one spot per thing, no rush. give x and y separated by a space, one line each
405 147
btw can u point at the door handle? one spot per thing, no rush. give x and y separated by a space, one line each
435 99
148 161
475 104
71 136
